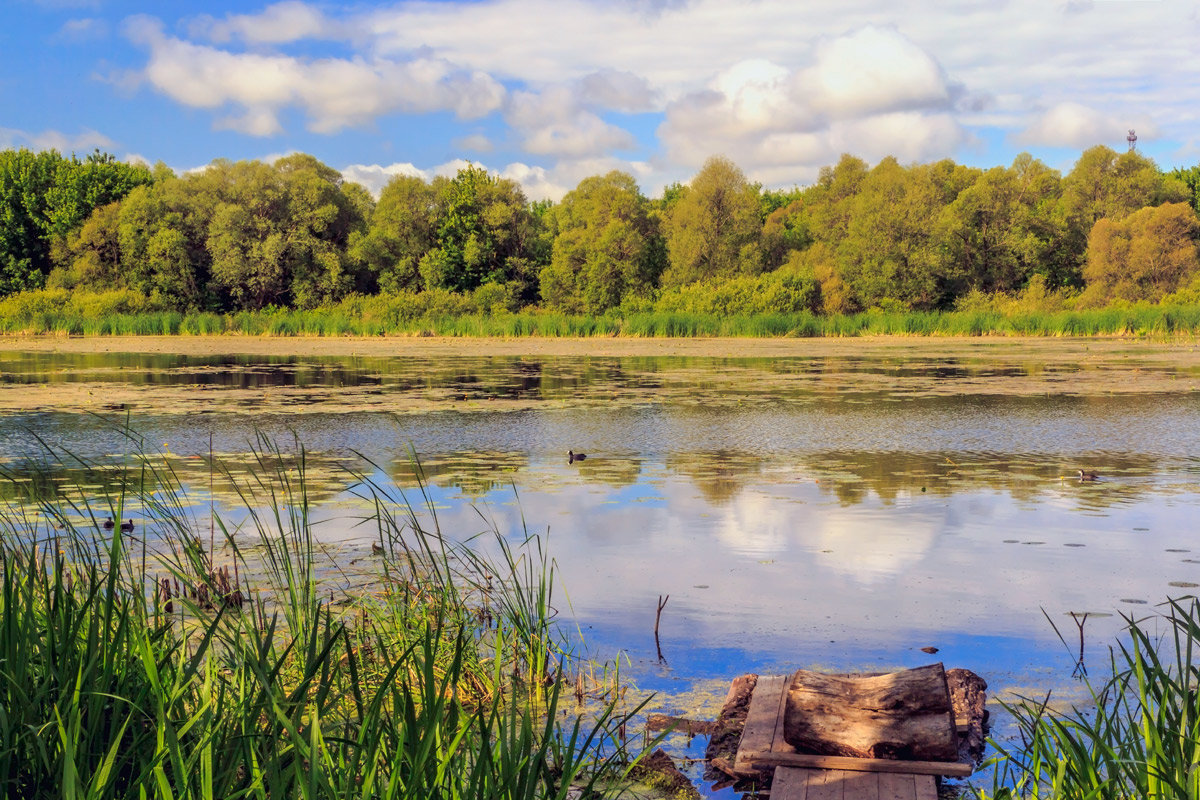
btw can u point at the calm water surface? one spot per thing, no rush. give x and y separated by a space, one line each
791 527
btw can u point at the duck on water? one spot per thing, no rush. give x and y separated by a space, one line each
572 456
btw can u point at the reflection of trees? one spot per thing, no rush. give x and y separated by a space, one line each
719 475
852 476
473 474
231 477
615 472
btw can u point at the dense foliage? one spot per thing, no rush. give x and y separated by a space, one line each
249 236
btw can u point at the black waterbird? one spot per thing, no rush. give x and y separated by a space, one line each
107 524
1087 476
572 456
127 527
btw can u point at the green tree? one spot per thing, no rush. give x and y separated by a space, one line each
1104 183
604 248
320 219
1190 178
484 234
44 197
1005 227
1144 256
403 229
713 230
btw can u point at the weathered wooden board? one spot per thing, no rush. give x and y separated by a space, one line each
949 768
792 783
904 715
762 719
762 744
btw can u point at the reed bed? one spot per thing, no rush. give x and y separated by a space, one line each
148 663
1139 737
446 314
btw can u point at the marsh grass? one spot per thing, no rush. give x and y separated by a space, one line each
450 681
442 313
1139 736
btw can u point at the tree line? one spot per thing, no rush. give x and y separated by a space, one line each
247 235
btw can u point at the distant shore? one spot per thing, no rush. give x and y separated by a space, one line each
1056 349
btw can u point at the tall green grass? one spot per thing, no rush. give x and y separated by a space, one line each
447 314
1138 738
452 681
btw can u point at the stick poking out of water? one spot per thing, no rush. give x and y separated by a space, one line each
662 603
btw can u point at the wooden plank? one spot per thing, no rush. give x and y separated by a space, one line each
761 719
825 785
778 743
952 768
791 783
926 787
860 785
897 787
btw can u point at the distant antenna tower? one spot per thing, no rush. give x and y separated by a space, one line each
1132 139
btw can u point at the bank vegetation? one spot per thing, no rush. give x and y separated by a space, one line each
99 246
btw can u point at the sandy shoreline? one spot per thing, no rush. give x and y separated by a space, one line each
1062 348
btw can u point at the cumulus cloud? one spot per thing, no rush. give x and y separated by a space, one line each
1076 125
84 141
538 182
86 29
288 21
555 122
871 92
875 70
334 93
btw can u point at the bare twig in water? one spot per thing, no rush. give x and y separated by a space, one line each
662 603
1080 670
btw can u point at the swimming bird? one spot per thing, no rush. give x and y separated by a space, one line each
376 549
107 524
126 527
572 456
1087 476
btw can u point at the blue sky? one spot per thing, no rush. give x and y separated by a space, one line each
550 91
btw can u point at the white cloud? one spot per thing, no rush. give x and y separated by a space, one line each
871 92
874 70
375 176
1076 125
538 183
781 88
334 93
288 21
85 29
66 143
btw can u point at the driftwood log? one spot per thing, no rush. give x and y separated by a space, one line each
968 696
902 715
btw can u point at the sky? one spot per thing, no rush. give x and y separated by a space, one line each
548 92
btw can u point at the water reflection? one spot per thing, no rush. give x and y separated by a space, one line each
821 512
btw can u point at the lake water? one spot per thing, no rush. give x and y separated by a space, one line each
805 512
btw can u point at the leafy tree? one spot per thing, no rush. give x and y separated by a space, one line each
43 197
1190 179
1104 183
91 255
787 228
484 234
1148 254
604 247
1006 226
714 228
319 221
403 229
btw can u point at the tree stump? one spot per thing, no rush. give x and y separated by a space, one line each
904 715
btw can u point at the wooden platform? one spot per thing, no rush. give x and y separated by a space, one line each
792 783
800 776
